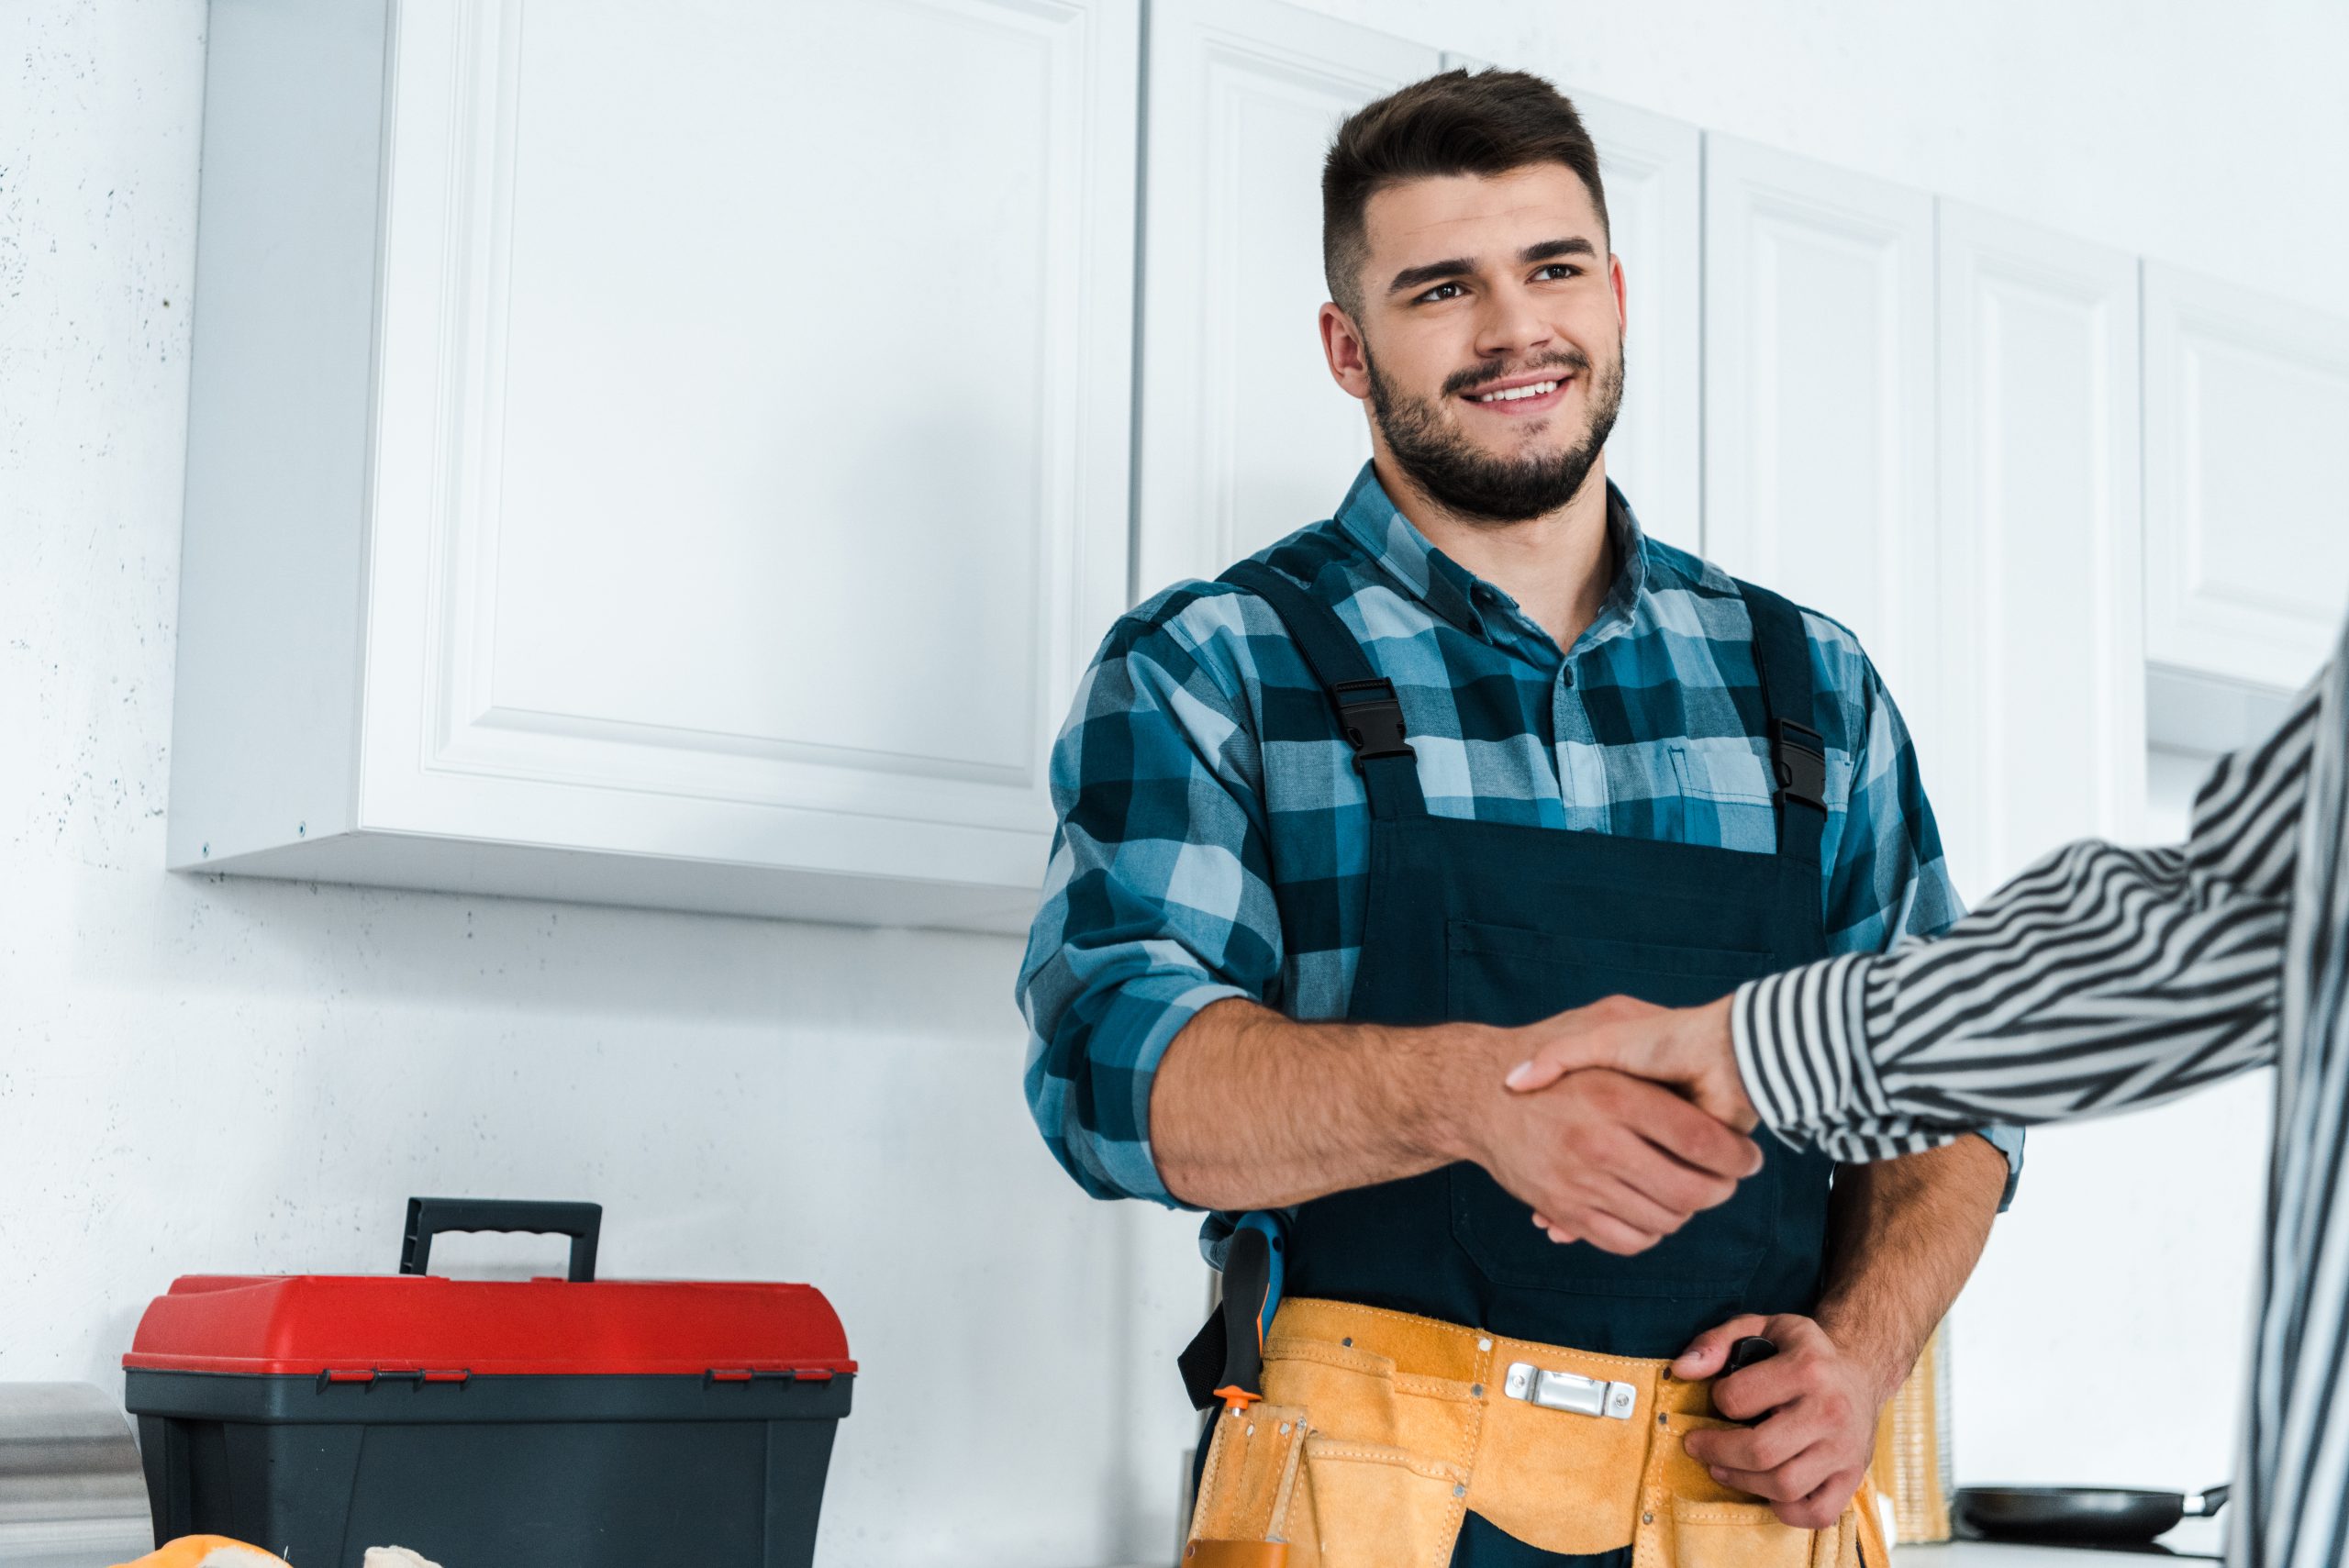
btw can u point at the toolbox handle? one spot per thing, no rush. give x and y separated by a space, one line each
428 1217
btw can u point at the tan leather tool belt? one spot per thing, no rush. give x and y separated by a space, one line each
1378 1430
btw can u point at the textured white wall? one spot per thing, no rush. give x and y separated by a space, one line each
222 1075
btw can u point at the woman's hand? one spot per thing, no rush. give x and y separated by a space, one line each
1686 1049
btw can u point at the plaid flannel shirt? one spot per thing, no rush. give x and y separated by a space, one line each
1200 755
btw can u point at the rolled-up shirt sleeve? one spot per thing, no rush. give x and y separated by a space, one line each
2100 980
1157 898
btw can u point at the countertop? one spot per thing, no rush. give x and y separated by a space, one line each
2004 1555
2194 1541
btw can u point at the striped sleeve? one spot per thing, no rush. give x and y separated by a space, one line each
2098 980
2294 1472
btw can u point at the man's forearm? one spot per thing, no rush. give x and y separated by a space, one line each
1251 1109
1903 1236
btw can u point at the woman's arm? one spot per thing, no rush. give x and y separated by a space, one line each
2101 979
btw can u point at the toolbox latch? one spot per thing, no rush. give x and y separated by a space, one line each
769 1375
416 1376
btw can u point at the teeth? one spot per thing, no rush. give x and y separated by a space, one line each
1513 394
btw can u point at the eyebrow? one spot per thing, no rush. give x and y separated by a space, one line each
1453 267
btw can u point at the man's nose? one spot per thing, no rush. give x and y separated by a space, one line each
1509 325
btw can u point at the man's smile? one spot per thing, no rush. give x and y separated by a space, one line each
1522 395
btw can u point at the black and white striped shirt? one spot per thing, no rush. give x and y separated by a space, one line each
2103 979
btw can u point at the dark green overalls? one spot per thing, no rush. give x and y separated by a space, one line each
1497 923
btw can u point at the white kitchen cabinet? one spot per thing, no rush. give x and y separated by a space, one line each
2246 480
653 453
1244 438
1653 168
1819 399
2043 665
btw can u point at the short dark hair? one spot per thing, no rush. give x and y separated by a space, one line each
1455 123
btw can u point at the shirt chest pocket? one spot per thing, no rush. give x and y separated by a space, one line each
1725 793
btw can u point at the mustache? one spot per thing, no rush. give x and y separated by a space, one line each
1572 360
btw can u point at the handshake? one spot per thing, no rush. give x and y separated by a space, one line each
1618 1121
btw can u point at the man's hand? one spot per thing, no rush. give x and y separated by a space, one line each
1687 1048
1253 1110
1607 1158
1822 1401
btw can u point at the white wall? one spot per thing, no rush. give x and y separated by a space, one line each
2131 1248
224 1075
2205 136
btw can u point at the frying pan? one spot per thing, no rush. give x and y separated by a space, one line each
2105 1516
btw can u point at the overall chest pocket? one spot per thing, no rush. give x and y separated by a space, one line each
1508 977
1505 976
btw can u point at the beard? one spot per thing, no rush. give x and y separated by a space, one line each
1436 454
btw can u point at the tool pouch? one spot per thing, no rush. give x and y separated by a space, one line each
1689 1520
1748 1535
1352 1461
1368 1504
1277 1493
1249 1491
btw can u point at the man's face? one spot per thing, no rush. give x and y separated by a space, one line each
1489 343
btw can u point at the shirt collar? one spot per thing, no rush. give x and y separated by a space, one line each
1395 545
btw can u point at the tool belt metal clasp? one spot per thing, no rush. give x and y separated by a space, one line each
1570 1391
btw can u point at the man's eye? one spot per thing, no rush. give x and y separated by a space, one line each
1437 292
1561 269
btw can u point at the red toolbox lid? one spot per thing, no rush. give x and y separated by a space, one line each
362 1325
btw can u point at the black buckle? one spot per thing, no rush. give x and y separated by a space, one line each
1372 718
1799 758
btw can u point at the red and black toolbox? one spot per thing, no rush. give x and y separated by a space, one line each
578 1423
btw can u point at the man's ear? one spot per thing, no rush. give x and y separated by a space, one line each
1341 346
1615 276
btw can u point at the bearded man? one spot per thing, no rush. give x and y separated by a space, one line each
1341 831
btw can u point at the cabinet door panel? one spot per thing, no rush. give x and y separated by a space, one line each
2247 497
1245 437
2043 670
1819 397
717 471
1652 168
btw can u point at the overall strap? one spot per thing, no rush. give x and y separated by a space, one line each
1369 714
1797 753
